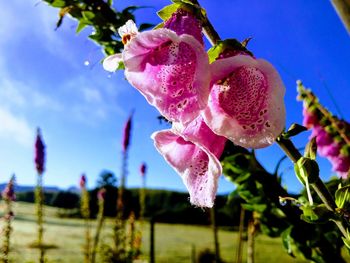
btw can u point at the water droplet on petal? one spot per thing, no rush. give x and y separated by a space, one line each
86 63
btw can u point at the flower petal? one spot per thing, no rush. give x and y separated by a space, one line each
111 63
246 101
129 28
171 71
194 155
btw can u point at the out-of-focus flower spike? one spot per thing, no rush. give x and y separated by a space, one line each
143 169
332 135
127 133
82 181
39 158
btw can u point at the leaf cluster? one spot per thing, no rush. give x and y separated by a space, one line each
101 16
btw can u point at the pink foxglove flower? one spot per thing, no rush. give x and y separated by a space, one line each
184 22
246 101
39 158
193 152
126 32
171 71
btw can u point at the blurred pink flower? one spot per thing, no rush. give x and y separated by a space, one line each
9 192
82 181
193 151
39 153
101 194
246 101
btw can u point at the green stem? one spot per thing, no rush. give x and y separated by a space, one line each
343 9
208 28
320 188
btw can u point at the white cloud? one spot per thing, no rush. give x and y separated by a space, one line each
15 128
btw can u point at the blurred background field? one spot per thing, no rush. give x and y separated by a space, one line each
173 242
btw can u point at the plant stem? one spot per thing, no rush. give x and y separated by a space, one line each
343 9
208 28
320 188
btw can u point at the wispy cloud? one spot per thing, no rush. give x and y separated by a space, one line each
15 128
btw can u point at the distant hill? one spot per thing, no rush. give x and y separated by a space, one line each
28 188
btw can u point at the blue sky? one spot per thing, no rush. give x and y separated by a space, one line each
44 81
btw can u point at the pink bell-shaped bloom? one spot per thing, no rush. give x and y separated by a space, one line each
193 153
246 101
171 71
184 22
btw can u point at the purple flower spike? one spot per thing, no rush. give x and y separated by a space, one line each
82 181
246 101
194 155
39 153
310 120
341 165
184 22
143 169
127 133
171 71
9 192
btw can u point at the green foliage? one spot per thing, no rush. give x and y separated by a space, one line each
101 16
342 197
226 46
279 213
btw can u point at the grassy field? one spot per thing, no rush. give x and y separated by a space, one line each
173 243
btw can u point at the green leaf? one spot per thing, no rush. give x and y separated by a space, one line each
306 170
226 45
342 197
315 214
82 24
168 10
255 207
58 3
288 241
88 15
311 149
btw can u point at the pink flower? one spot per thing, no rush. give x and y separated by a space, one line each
193 151
246 101
101 194
171 71
184 22
39 158
9 192
341 165
310 119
